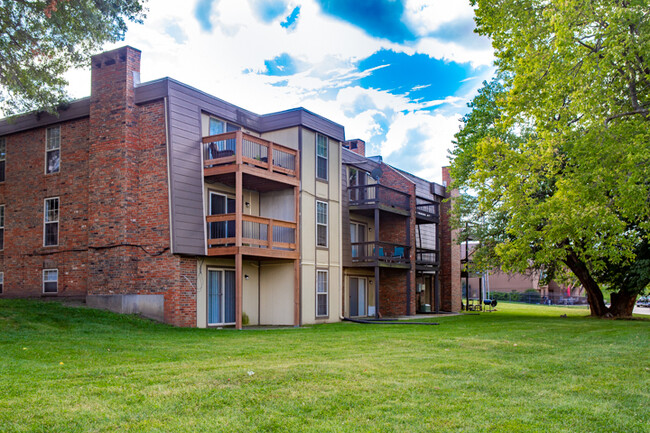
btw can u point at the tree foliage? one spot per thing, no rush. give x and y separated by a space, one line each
41 39
557 148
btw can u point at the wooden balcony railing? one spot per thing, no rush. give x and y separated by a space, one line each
376 194
427 210
257 231
240 148
427 257
380 252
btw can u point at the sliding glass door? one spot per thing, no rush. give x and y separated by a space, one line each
358 297
221 297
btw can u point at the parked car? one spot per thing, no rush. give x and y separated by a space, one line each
643 301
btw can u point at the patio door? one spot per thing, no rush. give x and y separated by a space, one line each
221 204
221 297
357 235
358 297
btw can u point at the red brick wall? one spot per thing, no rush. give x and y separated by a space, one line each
450 285
393 293
397 286
113 170
357 146
114 233
23 193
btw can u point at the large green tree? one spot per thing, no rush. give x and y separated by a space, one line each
556 151
41 39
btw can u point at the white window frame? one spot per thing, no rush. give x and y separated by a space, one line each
55 147
325 293
325 157
2 282
2 227
46 222
325 224
3 158
56 272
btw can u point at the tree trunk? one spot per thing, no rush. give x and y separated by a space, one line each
622 304
594 294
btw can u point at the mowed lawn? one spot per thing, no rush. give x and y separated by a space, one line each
521 369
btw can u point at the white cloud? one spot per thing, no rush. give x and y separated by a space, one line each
426 16
436 132
214 62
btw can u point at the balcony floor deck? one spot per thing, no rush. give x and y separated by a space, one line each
368 209
261 253
382 264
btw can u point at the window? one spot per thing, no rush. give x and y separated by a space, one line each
51 222
321 157
358 236
321 294
53 150
321 224
2 282
2 227
3 156
50 280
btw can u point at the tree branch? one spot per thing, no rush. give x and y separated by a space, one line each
642 111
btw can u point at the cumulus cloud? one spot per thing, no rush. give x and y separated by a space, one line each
395 73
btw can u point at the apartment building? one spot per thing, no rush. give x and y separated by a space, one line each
391 231
159 199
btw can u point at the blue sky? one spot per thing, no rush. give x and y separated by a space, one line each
396 73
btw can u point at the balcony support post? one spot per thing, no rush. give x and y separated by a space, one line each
239 282
376 254
239 194
377 316
436 293
296 293
410 251
270 156
296 264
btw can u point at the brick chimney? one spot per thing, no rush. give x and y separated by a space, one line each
357 146
113 168
451 294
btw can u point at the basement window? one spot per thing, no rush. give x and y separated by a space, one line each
2 282
53 150
50 280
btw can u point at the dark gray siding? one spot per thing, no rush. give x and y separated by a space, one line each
186 174
151 91
185 105
302 117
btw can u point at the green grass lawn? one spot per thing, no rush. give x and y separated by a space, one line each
521 369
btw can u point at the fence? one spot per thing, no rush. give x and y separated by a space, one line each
533 297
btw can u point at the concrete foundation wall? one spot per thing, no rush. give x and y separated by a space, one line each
150 306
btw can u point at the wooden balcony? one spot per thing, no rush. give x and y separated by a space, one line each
266 165
426 259
427 211
258 236
383 254
363 198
